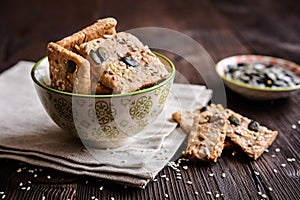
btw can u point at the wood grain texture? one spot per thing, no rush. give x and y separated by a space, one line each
223 28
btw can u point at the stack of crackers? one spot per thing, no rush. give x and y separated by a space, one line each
211 127
100 60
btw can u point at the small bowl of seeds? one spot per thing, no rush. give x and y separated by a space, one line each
260 77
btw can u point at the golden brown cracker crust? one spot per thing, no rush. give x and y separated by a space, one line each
61 79
251 142
96 30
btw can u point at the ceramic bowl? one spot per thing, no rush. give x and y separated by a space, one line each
255 92
102 121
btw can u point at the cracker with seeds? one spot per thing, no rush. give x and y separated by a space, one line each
206 135
123 63
248 134
69 71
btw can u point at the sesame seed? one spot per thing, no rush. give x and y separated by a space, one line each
178 177
43 197
270 189
208 192
256 173
48 177
30 171
291 159
223 175
35 175
163 176
196 193
167 179
28 188
154 180
277 150
233 153
283 165
21 184
185 167
23 188
266 150
3 196
217 195
294 126
93 197
273 156
19 170
211 174
112 198
275 170
264 196
189 182
101 188
166 195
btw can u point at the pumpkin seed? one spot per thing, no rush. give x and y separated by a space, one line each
70 66
253 126
129 60
234 120
95 57
102 53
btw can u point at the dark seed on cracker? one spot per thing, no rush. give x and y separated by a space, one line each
130 61
253 126
102 54
234 120
70 66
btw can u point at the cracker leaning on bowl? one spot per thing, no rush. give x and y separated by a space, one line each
208 126
98 60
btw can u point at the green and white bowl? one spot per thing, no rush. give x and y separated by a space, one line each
255 92
102 121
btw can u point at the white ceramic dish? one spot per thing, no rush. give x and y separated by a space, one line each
254 92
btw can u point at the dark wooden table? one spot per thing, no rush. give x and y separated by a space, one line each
223 28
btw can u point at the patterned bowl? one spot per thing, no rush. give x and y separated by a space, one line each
102 121
256 92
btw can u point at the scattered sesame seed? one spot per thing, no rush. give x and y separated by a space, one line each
166 195
264 196
48 177
291 159
35 175
189 182
217 195
283 165
86 182
196 193
270 189
23 188
43 197
112 198
294 126
101 188
277 150
93 197
28 188
185 167
154 180
211 174
163 176
256 173
21 184
3 196
273 156
233 153
178 177
223 175
30 171
19 170
267 150
167 179
178 174
275 170
208 192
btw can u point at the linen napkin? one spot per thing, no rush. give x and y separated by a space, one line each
29 135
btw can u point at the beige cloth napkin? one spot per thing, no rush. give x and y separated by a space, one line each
27 134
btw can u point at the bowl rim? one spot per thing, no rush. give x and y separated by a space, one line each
171 76
218 67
